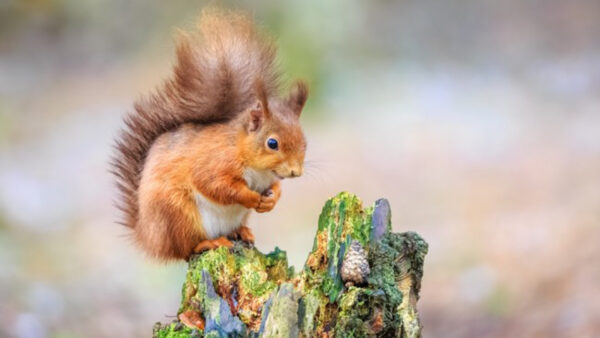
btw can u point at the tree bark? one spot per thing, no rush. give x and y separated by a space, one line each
359 280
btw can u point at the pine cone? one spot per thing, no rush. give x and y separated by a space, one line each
355 267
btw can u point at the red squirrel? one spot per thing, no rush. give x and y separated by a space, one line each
211 144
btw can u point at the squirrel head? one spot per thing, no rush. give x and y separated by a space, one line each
271 135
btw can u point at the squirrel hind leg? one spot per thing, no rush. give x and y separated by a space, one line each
243 233
209 244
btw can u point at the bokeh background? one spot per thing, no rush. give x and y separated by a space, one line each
478 120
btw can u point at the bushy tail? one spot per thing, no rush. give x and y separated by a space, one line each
218 67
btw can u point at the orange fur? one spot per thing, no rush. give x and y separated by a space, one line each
199 143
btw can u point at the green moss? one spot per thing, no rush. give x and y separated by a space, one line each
240 275
324 219
381 259
175 330
362 228
253 272
412 248
315 302
256 282
277 265
257 273
357 222
352 314
342 220
218 262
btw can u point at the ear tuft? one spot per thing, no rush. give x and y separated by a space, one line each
298 97
257 116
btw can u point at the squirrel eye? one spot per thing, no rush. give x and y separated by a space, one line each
273 144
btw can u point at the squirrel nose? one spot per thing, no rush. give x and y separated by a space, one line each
296 172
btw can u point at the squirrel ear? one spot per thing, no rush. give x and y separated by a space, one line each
256 117
297 97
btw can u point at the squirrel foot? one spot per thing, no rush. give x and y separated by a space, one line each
209 244
244 234
192 319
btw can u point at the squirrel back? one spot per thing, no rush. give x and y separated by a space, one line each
217 69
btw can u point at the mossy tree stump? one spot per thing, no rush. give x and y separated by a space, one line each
359 280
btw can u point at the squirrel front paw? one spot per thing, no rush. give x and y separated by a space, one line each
250 199
267 202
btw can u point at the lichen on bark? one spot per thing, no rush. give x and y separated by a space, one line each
243 292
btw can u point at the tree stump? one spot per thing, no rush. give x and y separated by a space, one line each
360 280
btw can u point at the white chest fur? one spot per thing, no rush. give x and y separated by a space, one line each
220 220
259 180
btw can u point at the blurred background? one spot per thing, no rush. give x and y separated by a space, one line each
478 120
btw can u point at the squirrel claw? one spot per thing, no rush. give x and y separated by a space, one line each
244 234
